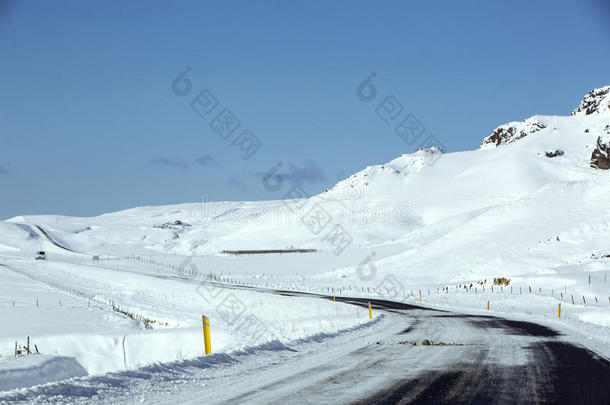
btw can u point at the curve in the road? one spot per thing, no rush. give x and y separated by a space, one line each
53 240
469 359
550 371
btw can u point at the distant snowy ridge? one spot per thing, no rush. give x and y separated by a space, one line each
511 132
596 102
402 168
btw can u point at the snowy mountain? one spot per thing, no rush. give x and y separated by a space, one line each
519 162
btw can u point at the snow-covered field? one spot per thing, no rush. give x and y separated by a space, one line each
115 320
526 206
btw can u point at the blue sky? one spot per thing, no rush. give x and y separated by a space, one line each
89 122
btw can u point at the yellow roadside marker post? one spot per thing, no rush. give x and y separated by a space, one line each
206 334
559 310
333 298
370 311
488 305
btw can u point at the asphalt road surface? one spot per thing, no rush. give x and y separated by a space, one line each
467 360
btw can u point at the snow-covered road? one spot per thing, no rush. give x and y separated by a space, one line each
470 359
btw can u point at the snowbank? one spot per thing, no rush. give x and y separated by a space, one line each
26 371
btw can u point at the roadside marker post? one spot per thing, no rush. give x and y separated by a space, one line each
333 298
370 311
206 334
488 305
559 310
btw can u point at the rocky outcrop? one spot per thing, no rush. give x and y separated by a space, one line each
553 153
596 102
600 158
511 132
432 150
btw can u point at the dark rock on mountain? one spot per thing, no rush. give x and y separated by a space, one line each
600 158
554 153
511 132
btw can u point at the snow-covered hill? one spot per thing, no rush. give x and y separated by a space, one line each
529 181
